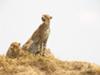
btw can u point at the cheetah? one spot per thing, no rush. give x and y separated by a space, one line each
15 51
37 42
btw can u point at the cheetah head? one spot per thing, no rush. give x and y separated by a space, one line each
15 45
46 18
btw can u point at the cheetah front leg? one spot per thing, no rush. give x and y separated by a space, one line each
40 48
44 46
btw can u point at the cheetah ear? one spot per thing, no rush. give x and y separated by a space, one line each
50 17
43 19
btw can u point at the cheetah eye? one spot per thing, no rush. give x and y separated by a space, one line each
43 19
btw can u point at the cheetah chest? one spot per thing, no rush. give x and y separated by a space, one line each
45 34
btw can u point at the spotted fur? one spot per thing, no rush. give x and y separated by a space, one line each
37 42
13 50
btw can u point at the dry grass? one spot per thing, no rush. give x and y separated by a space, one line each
39 65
